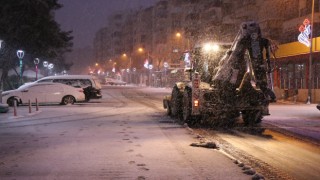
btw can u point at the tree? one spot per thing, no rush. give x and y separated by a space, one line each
30 25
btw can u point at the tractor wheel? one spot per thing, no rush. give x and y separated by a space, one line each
187 106
168 108
251 117
176 102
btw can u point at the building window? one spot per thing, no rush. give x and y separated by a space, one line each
316 78
292 76
299 76
283 71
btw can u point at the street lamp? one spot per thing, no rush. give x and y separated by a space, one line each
50 66
148 62
36 62
1 41
179 36
20 54
165 65
150 67
142 50
130 64
45 65
310 57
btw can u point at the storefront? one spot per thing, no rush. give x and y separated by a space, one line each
291 75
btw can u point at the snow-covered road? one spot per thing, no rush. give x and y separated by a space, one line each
125 135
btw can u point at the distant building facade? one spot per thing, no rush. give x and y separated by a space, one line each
197 21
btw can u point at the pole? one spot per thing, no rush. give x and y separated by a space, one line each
20 54
37 105
130 71
36 71
20 71
14 108
310 56
29 102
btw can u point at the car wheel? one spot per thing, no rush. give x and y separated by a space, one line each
11 101
68 100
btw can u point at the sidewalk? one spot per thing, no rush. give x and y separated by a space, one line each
282 101
22 113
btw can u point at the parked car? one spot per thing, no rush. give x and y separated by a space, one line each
44 93
90 84
112 81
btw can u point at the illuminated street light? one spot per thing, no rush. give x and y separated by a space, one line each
20 54
1 41
209 47
125 56
36 62
50 67
45 65
179 36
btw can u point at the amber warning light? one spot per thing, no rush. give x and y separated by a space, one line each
196 103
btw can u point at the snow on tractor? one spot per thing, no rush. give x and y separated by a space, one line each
240 87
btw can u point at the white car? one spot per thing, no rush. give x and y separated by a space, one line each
90 84
44 93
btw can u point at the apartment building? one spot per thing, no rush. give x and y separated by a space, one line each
198 21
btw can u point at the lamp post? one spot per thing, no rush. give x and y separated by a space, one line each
20 54
50 66
36 62
129 70
148 54
1 41
165 65
45 65
148 63
134 81
179 36
310 56
150 67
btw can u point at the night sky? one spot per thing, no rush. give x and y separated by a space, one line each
86 17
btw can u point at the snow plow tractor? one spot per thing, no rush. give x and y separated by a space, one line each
240 87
